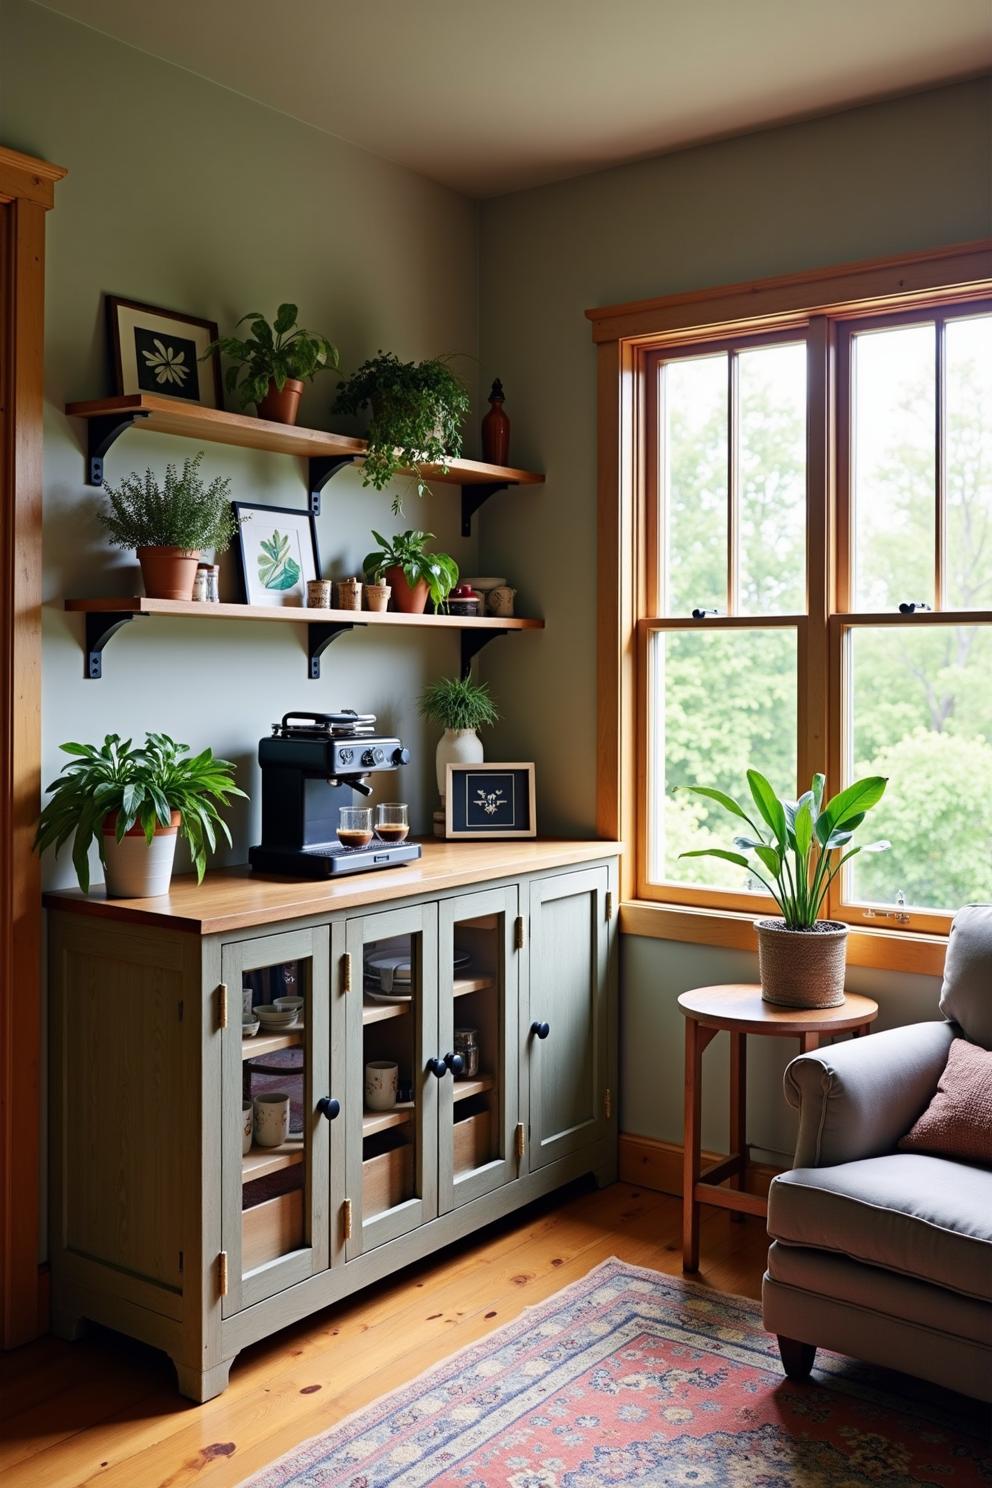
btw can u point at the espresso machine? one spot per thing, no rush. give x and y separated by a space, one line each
313 764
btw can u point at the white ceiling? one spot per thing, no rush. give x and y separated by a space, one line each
489 96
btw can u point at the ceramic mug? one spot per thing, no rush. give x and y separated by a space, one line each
381 1081
246 1128
271 1119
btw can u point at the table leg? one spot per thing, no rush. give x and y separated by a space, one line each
738 1111
808 1043
690 1146
861 1030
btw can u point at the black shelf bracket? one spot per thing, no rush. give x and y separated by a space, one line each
101 433
473 642
320 634
473 497
320 469
100 626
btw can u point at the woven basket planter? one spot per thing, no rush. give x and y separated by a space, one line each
802 968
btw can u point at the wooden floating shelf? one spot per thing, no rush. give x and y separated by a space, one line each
380 1121
261 1161
110 417
379 1012
270 1043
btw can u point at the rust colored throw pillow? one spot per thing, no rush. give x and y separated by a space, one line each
958 1121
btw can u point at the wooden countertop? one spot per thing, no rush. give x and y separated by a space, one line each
236 899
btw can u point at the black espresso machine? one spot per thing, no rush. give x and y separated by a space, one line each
313 764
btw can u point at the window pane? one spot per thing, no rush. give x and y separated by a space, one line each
921 712
721 701
772 479
693 483
893 455
968 463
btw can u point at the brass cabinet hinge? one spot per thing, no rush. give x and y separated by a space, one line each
346 1218
608 1103
346 972
609 904
222 1273
222 1005
518 933
520 1141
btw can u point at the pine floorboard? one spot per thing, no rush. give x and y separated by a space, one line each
105 1410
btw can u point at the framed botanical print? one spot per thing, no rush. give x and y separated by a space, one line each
490 801
160 351
277 548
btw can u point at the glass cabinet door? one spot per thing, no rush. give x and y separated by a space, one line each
281 1143
393 1076
477 1024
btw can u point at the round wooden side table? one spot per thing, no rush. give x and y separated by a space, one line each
739 1009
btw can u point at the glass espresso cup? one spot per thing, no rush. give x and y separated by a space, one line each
392 823
355 826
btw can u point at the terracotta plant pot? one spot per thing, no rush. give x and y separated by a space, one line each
137 869
408 600
377 596
168 573
281 407
802 968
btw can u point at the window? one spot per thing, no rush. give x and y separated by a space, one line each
816 593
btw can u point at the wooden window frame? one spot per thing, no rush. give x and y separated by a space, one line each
627 336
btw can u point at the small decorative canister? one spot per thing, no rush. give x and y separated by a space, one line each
467 1045
200 582
318 594
377 596
212 571
500 601
464 601
350 594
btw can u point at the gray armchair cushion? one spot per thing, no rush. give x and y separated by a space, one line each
857 1099
966 996
921 1216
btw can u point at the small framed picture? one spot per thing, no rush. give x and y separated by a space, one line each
277 548
490 801
159 351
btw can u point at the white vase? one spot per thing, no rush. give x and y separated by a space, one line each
137 869
457 747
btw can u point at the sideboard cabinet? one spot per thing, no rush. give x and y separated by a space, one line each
172 1222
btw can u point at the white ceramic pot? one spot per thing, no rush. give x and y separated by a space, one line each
457 747
137 869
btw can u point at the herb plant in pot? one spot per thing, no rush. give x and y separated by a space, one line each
416 412
269 366
135 803
796 852
413 574
169 525
460 706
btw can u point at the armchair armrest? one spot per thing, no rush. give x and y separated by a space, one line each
858 1098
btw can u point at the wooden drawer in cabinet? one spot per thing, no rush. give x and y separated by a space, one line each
472 1142
272 1229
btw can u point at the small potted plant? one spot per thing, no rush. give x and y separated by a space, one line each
416 413
460 706
135 802
414 574
273 363
801 958
169 525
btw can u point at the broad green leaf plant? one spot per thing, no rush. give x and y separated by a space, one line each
273 353
143 785
797 842
407 550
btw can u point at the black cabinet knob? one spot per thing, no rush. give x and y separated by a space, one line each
437 1067
455 1063
540 1030
328 1107
401 756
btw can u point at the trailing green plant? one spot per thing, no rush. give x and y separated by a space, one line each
144 785
407 550
273 353
416 412
797 845
182 512
458 703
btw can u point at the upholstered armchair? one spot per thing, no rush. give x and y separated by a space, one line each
882 1254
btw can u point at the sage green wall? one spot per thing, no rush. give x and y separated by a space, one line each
186 195
910 174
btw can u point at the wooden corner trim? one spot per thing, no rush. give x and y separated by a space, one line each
651 1163
26 178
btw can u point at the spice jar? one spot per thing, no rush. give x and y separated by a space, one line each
213 581
200 582
350 594
467 1045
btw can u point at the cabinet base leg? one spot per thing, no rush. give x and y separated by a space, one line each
606 1173
65 1323
203 1384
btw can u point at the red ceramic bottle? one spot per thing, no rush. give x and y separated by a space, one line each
496 428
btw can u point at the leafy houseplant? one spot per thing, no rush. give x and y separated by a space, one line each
135 802
414 574
416 413
801 957
273 362
169 525
461 706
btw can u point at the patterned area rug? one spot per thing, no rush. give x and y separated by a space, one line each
640 1380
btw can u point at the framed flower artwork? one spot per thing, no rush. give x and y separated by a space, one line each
160 351
277 547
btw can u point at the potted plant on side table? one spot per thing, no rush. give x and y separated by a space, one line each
413 574
416 413
135 802
801 958
169 525
273 363
460 706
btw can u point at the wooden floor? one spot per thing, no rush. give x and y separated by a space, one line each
105 1410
